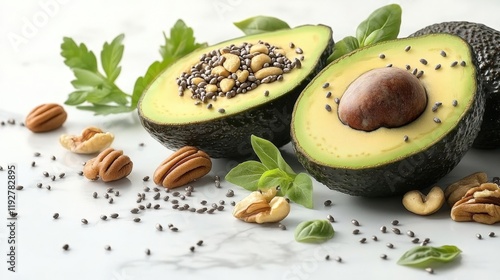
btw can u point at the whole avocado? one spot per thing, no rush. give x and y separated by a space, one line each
485 43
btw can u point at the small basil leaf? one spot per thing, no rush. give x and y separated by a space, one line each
261 24
301 190
344 46
423 256
314 231
385 20
269 155
273 178
246 174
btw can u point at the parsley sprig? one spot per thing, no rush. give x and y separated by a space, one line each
95 85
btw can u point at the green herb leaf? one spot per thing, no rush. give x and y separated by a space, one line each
269 155
246 174
423 256
77 56
111 55
261 24
273 178
381 25
344 46
301 190
314 231
180 43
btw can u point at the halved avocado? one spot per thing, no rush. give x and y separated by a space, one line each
391 157
173 112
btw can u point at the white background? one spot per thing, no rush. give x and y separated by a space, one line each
32 72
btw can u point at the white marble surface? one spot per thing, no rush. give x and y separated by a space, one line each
32 72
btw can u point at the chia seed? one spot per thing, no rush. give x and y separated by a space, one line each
328 108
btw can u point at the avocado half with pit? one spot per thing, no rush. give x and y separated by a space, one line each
217 97
485 43
391 117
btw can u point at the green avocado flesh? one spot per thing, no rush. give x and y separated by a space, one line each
391 160
222 127
485 43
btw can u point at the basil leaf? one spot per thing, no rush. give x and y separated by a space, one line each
269 155
423 256
246 174
384 21
314 231
301 190
261 24
344 46
273 178
111 55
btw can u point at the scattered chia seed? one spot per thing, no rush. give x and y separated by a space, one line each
491 234
356 231
62 175
394 222
36 154
327 257
383 229
410 233
328 94
443 53
222 110
383 256
104 217
146 178
106 195
454 103
437 120
84 221
423 61
137 220
48 187
327 202
396 230
53 178
148 252
159 227
420 74
46 174
80 173
414 72
166 198
336 100
299 51
65 247
429 270
325 85
114 215
53 157
117 193
479 236
55 216
390 245
463 63
407 49
338 259
107 248
230 193
199 243
33 164
156 207
415 240
408 67
146 189
389 65
330 218
282 226
438 66
233 203
19 187
454 63
266 93
39 185
156 196
328 108
374 238
381 56
191 248
362 240
110 201
355 222
406 138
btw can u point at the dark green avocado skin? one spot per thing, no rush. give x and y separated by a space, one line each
485 43
415 172
229 137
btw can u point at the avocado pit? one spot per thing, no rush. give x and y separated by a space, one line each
383 97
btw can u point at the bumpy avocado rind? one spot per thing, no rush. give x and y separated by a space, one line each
485 43
413 156
227 134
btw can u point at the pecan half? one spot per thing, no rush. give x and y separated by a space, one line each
182 167
262 207
46 117
480 204
91 141
109 165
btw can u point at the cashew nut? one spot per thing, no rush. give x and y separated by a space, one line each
418 203
232 62
457 190
262 207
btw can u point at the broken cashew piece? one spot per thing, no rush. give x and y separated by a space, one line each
420 204
92 140
262 207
